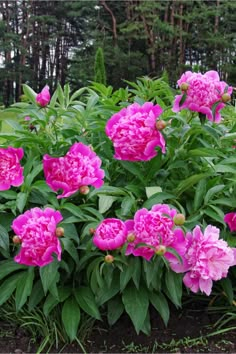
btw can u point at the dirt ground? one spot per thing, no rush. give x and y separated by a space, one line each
186 333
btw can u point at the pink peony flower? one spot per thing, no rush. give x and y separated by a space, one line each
11 172
134 134
155 228
43 98
110 234
79 167
36 229
207 258
202 92
230 219
27 118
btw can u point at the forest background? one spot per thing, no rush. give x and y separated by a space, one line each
55 41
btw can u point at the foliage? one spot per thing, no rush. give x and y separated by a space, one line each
99 67
196 176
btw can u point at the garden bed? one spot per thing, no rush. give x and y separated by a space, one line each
188 331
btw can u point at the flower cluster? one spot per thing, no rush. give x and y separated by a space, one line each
207 258
134 134
11 172
154 228
36 231
79 167
202 92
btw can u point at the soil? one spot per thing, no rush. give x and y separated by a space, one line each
187 332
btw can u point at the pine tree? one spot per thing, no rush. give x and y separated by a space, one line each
99 67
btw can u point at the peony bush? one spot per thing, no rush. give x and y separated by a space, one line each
112 201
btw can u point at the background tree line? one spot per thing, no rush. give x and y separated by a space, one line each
56 41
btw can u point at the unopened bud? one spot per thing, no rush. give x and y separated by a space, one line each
160 124
109 258
160 250
16 240
92 230
131 237
84 190
59 231
226 97
179 219
184 86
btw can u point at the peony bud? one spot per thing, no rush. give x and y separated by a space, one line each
225 97
131 237
184 86
160 250
43 98
16 240
109 258
160 124
60 231
84 190
179 219
92 230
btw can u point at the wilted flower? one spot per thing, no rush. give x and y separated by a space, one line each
155 228
110 234
207 258
36 229
11 172
134 134
230 219
202 92
78 168
43 98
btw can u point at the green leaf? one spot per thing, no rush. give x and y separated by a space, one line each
213 108
136 305
86 300
212 191
216 214
8 286
224 169
115 308
183 99
21 201
49 274
157 198
29 93
228 289
71 317
173 289
106 292
68 245
50 303
36 295
10 195
152 190
4 239
133 168
24 287
158 300
205 152
9 266
199 194
126 205
105 202
189 182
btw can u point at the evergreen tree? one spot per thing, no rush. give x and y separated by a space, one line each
99 67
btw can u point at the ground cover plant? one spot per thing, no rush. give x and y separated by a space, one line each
112 199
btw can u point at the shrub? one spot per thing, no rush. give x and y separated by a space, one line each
119 221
